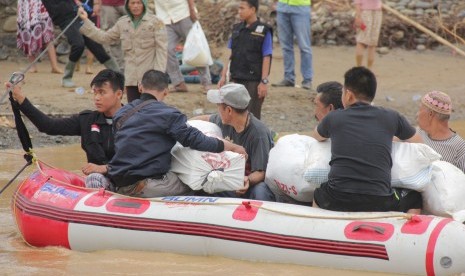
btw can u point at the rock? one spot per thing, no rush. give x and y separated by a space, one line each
4 53
63 48
421 47
390 98
331 42
425 5
383 50
461 14
317 27
399 35
9 40
327 26
7 2
11 10
407 12
10 24
331 36
420 40
5 122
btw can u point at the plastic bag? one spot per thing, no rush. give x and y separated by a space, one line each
196 50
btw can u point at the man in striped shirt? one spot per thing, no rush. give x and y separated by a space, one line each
433 120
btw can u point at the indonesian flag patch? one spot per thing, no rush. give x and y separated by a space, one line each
95 128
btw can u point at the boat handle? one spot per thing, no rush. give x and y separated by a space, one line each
377 229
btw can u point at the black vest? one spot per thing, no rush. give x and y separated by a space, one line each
246 49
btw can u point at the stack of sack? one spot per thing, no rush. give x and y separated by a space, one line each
299 164
211 172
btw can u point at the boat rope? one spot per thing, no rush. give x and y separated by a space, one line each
247 204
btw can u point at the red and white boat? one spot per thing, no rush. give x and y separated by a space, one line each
52 208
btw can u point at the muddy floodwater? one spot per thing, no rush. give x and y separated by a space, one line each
18 258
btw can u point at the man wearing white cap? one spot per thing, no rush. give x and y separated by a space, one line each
433 120
240 126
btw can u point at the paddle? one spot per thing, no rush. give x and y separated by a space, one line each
21 129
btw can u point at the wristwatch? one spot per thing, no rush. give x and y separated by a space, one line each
265 81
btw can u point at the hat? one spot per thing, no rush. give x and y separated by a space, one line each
438 101
233 94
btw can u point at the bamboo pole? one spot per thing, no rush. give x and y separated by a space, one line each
423 29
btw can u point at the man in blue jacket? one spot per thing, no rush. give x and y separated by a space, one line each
145 131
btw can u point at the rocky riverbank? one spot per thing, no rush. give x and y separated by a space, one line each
331 23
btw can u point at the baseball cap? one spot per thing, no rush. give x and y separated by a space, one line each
233 94
438 101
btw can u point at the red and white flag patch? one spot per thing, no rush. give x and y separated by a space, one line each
95 127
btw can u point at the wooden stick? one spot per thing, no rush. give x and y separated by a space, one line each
423 29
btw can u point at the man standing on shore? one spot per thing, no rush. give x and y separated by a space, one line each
294 21
178 16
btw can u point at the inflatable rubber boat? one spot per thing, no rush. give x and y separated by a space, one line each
52 208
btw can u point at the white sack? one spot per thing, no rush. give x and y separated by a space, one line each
207 128
212 172
287 163
411 165
318 163
446 193
196 51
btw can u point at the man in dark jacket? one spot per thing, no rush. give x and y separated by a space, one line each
94 127
145 131
62 13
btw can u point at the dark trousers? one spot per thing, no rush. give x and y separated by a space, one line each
255 105
78 43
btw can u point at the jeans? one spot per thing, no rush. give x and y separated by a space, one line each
295 21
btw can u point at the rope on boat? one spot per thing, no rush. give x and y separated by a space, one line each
247 204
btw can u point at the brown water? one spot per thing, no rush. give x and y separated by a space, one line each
17 258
